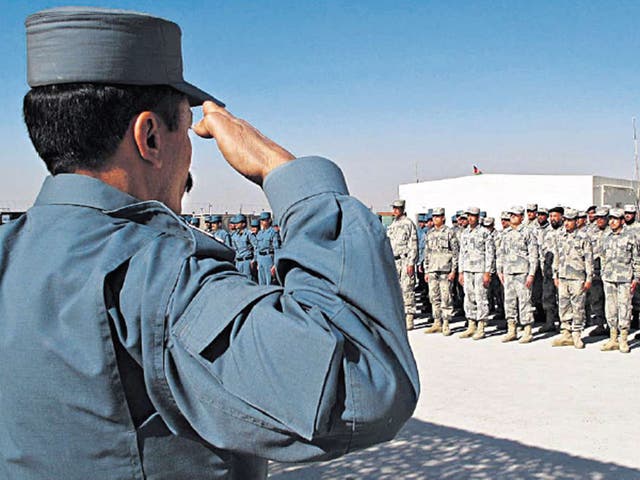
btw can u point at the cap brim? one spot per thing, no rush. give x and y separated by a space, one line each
196 96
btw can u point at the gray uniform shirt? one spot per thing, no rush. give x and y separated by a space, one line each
477 250
518 251
131 348
441 251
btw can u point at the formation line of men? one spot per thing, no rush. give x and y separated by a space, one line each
254 247
560 264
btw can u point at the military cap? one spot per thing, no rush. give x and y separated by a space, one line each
558 208
459 212
505 216
438 211
602 212
582 214
483 214
215 218
616 213
629 208
488 221
194 221
428 217
453 218
591 208
472 211
100 45
516 210
241 218
265 216
422 217
570 214
543 211
532 207
255 222
463 215
398 204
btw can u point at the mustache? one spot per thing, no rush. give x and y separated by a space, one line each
189 183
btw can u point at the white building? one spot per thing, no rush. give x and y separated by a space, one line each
494 193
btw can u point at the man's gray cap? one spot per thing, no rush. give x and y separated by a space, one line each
505 216
472 211
438 211
629 208
488 221
532 207
398 204
570 214
99 45
463 215
543 211
582 214
602 212
517 210
616 213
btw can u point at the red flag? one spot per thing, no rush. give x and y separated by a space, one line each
476 170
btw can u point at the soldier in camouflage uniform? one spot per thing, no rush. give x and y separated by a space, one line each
542 222
440 266
404 243
581 221
630 224
546 246
573 273
495 301
620 274
457 291
517 263
532 216
477 260
595 295
591 218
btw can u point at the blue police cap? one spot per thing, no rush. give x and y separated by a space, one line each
194 221
255 222
215 218
265 216
100 45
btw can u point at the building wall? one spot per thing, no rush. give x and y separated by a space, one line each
495 192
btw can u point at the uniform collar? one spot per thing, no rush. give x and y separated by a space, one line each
82 190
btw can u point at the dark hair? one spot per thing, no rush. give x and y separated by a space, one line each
80 125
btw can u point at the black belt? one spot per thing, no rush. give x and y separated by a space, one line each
242 259
266 252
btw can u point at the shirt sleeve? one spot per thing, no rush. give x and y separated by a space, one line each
310 370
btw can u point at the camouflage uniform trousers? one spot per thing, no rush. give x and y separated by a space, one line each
572 298
407 284
618 304
517 298
476 301
549 298
440 296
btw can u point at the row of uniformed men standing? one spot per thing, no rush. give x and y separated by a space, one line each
254 247
572 256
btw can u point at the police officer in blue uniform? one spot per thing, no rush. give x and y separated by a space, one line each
267 242
242 243
130 346
218 231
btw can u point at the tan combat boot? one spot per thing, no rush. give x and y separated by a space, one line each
612 344
435 328
526 336
577 340
409 321
511 332
624 346
480 332
471 329
446 331
565 339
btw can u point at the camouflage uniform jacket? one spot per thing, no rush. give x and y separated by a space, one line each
619 256
404 239
573 256
547 237
441 251
477 250
518 251
596 235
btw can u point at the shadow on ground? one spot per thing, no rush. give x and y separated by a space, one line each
427 451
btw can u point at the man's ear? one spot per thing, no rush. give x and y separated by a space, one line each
146 133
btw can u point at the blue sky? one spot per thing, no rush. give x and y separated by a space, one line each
385 88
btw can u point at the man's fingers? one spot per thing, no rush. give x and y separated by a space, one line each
212 114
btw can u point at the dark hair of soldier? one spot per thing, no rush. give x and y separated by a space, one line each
80 125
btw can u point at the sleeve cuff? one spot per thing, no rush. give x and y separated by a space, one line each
302 178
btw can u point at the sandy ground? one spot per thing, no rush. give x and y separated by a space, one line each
489 410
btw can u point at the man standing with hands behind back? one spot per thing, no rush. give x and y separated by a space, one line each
141 352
